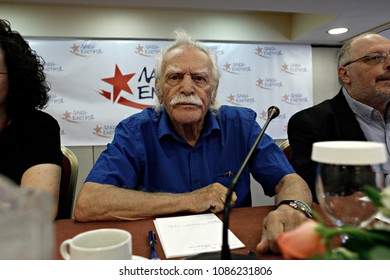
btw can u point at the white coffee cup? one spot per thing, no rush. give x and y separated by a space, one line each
98 244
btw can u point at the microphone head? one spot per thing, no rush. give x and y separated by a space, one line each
273 112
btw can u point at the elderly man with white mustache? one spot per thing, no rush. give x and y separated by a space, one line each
181 155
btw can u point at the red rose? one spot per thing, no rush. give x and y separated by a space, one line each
302 242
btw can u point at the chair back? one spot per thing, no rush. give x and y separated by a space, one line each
285 147
69 173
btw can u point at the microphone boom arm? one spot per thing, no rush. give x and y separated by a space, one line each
273 112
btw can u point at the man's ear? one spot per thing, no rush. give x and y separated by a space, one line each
214 93
343 73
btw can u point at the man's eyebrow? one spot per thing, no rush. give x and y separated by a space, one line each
172 69
203 72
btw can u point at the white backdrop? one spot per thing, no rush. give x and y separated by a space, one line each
97 83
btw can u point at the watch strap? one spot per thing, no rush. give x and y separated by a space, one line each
298 205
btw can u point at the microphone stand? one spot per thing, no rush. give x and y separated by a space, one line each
225 254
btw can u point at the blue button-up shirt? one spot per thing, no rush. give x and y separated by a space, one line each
147 154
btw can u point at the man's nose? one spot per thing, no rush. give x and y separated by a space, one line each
387 61
187 84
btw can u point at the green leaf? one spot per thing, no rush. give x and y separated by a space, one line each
374 195
342 253
379 253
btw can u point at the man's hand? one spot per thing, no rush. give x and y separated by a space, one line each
211 197
284 218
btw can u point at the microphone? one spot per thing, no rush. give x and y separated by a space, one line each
225 254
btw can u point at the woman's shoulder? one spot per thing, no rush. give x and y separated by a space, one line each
37 116
35 120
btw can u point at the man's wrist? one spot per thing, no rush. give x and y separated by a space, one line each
298 205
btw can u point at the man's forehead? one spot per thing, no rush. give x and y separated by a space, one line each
371 43
185 53
187 59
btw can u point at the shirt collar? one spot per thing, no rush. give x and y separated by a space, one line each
364 111
165 126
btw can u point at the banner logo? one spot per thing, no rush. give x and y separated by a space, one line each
264 115
86 49
106 131
294 68
55 99
52 67
267 51
236 68
217 50
269 83
77 116
240 99
294 98
120 83
148 50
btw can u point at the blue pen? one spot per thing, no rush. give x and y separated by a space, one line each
152 243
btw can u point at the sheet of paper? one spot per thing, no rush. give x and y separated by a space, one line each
190 235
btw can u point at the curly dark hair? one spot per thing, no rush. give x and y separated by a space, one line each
28 88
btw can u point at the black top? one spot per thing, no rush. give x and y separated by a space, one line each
27 141
331 120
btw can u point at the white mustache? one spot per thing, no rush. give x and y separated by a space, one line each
186 99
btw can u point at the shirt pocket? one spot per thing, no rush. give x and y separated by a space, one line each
225 178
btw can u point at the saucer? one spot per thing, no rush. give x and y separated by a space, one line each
138 258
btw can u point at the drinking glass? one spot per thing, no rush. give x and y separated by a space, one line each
344 169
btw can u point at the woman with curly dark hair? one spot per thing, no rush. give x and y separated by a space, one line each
30 146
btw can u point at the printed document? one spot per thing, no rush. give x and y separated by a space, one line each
190 235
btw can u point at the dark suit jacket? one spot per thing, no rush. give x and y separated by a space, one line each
330 120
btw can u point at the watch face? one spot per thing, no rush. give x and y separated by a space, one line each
304 207
299 205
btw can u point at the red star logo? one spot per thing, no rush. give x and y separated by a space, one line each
285 67
97 130
75 48
67 115
227 66
259 82
231 97
259 51
139 49
263 115
119 82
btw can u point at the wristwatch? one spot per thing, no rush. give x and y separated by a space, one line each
298 205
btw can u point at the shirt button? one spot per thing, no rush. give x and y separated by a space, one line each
196 181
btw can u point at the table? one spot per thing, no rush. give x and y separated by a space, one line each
244 222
